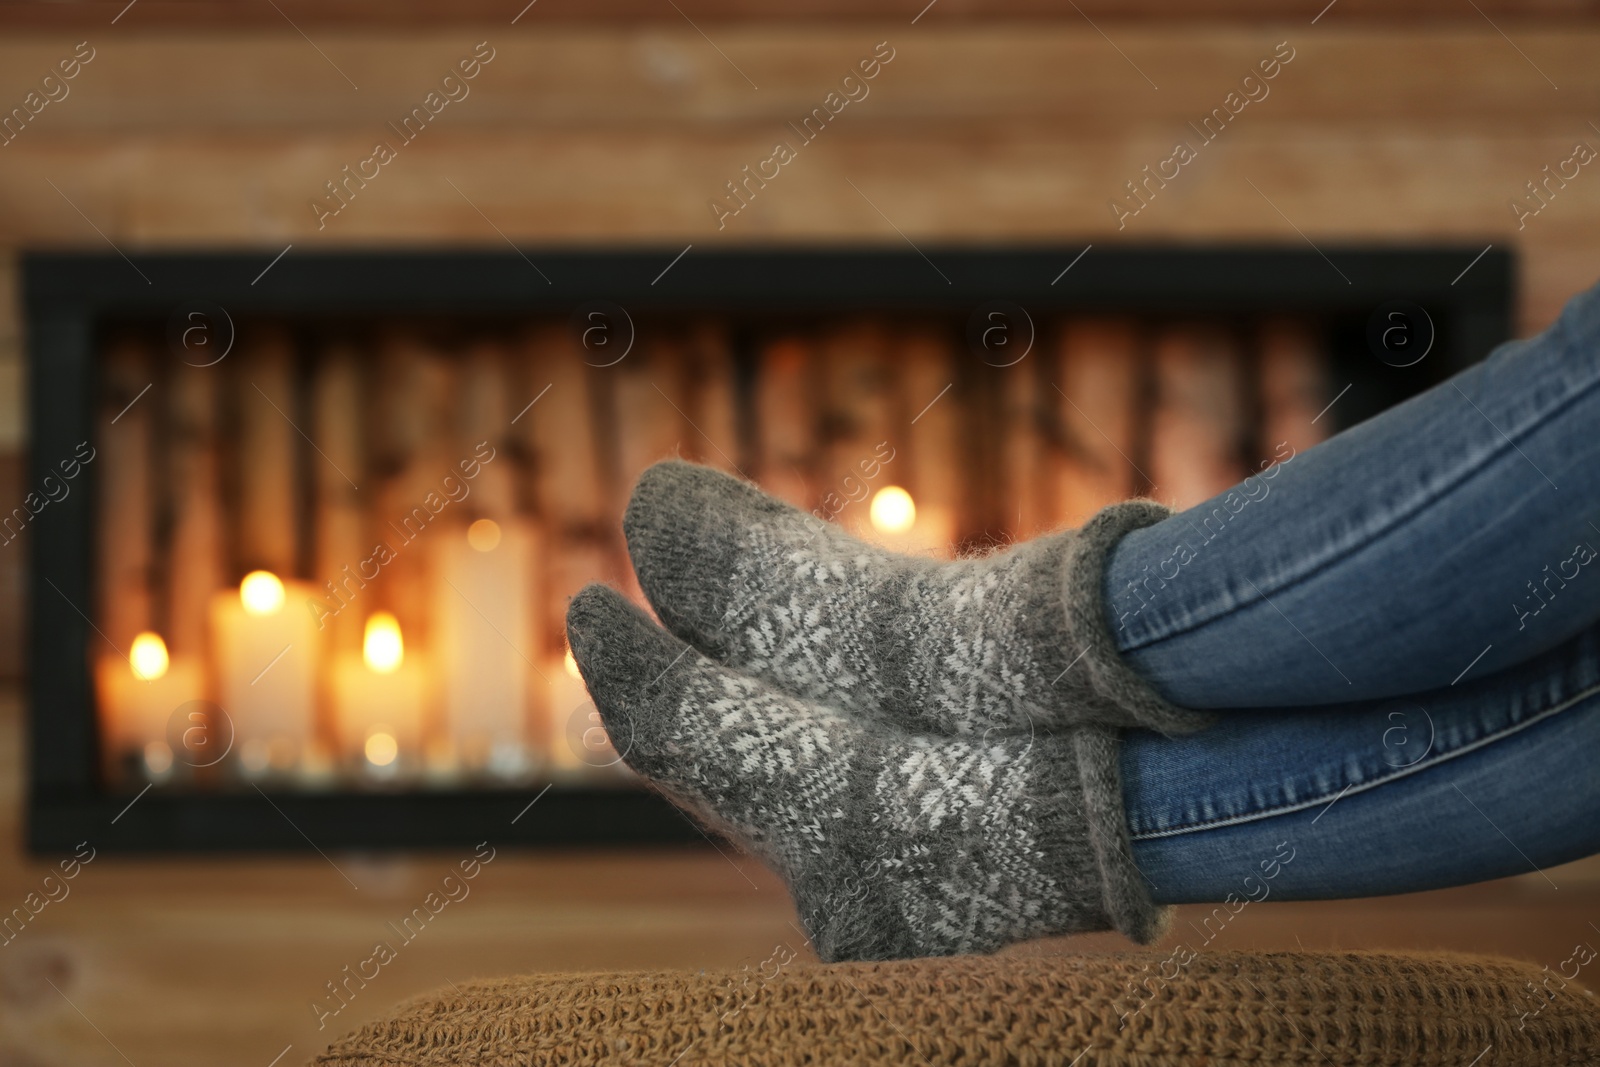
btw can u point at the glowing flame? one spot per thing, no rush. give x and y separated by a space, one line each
382 647
893 510
380 749
148 657
484 535
261 593
572 666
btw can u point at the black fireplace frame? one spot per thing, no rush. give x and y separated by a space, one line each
1468 293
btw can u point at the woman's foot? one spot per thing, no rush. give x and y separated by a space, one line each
893 844
1013 641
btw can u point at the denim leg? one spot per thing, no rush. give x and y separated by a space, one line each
1480 780
1455 534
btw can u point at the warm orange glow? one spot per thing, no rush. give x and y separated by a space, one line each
381 749
484 535
382 647
893 510
261 593
148 657
157 757
572 666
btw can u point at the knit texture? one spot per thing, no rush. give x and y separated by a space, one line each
1223 1009
1014 640
893 844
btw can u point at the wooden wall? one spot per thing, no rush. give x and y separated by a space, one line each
1406 129
988 132
180 134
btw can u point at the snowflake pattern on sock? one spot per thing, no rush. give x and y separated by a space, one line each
1014 641
893 843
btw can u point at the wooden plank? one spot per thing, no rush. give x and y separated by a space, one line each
593 79
1034 185
187 14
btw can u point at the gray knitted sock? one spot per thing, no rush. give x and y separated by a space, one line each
893 844
1014 640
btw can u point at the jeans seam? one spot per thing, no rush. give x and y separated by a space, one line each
1501 451
1401 772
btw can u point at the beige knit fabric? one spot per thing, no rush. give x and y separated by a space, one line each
1221 1009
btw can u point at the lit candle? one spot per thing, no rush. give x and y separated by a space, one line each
138 696
267 647
380 697
898 524
893 511
578 740
484 606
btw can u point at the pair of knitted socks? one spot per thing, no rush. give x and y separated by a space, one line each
924 751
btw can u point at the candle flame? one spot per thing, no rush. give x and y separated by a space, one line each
382 647
261 593
893 510
381 748
148 657
572 666
484 535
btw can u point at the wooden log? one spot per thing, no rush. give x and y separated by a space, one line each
1294 389
1198 422
713 407
648 391
785 419
648 394
341 538
411 420
570 477
928 456
859 400
196 550
265 459
1023 455
1094 389
485 417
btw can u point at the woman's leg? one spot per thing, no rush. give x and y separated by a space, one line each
1477 781
1451 536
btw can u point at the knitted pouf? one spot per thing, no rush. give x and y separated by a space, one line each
1351 1009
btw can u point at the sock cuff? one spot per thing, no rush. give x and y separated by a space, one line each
1125 891
1084 603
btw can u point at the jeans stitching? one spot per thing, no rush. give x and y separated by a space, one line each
1501 451
1400 772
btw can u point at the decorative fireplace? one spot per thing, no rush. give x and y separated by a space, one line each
302 537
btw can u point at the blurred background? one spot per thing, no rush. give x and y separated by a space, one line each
333 539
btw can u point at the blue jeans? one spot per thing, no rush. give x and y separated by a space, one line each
1400 629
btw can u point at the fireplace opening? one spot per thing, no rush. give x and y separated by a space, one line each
307 575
